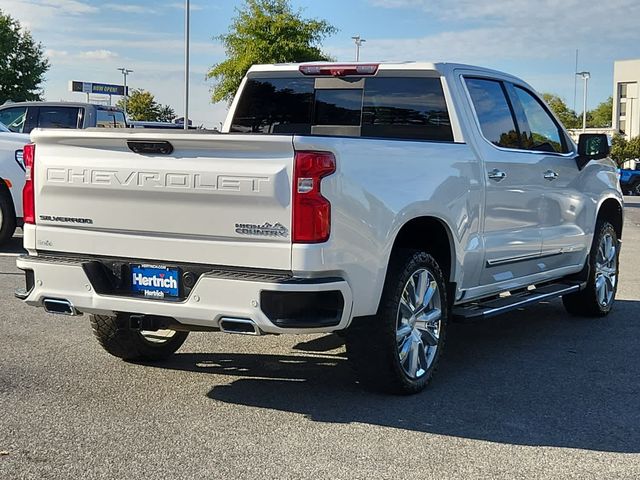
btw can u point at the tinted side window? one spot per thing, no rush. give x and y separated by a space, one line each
275 105
121 122
540 132
109 119
411 108
494 114
58 117
14 118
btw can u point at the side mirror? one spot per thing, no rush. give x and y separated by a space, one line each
592 146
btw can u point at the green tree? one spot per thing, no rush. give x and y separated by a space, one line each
22 62
633 148
266 31
623 149
618 149
600 117
567 116
166 114
142 106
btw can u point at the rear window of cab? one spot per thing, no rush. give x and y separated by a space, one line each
412 108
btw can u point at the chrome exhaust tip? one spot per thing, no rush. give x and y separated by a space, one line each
59 307
240 326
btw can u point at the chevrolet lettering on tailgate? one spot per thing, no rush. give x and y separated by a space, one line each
197 181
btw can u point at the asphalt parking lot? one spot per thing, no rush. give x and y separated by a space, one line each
533 394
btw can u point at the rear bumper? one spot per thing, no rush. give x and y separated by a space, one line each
292 305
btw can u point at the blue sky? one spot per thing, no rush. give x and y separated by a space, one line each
534 39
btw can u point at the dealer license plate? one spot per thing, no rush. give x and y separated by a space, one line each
155 281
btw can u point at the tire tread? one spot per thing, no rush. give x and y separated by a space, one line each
9 221
370 341
585 303
114 335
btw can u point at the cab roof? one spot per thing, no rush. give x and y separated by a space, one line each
58 104
441 67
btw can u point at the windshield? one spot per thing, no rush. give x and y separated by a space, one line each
3 128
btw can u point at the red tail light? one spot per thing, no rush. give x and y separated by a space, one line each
28 200
311 211
339 69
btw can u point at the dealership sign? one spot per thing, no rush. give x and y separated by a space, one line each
102 88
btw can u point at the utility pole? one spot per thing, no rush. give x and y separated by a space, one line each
585 76
575 82
125 72
186 64
359 41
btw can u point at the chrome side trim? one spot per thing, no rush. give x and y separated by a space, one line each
520 258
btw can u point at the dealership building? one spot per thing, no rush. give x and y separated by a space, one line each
626 107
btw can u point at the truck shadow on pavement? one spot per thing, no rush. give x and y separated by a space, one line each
13 246
536 377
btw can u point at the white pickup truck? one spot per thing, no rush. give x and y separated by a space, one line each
382 201
11 181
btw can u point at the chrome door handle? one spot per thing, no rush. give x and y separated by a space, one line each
550 175
496 175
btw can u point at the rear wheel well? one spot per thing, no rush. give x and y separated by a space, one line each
611 210
4 191
428 234
8 210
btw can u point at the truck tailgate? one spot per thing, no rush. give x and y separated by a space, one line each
216 199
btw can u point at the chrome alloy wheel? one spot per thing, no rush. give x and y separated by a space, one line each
606 270
418 325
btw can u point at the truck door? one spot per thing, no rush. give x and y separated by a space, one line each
565 211
513 192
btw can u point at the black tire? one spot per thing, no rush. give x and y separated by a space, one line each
635 188
8 220
587 303
372 345
119 340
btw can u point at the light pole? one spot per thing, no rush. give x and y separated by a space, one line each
359 41
186 64
585 76
125 72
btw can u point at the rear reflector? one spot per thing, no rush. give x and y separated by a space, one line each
339 70
311 211
28 200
